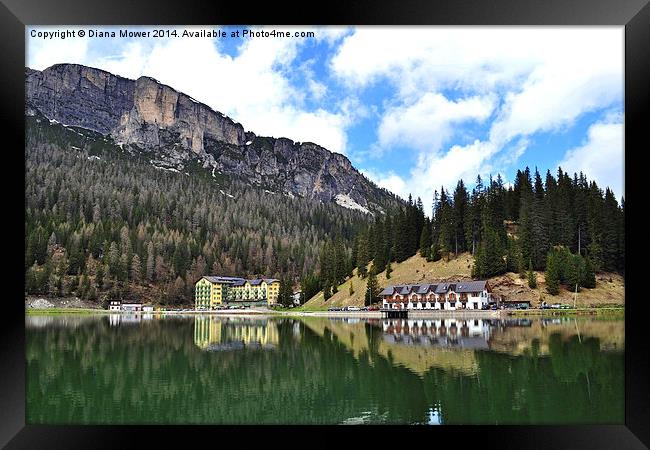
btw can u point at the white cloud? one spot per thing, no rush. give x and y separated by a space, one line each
390 181
544 79
42 53
601 157
439 79
427 123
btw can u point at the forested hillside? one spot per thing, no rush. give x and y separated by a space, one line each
565 225
103 223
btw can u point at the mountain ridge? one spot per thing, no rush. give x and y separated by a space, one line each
144 114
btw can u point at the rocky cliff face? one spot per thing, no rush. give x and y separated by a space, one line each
175 128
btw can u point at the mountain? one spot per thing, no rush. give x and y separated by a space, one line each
146 116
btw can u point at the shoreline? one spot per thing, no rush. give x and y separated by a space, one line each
360 314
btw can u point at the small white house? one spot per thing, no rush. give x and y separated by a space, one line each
147 308
115 306
132 307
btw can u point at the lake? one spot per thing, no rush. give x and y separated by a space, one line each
150 369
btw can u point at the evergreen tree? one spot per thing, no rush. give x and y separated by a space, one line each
309 286
589 276
362 255
372 289
151 258
446 229
513 258
351 291
532 278
552 274
575 272
389 270
285 292
381 247
489 259
460 212
136 268
31 279
425 240
99 276
327 290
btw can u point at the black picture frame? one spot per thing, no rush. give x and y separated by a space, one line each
16 14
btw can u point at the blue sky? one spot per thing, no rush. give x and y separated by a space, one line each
414 108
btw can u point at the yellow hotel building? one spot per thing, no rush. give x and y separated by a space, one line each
211 291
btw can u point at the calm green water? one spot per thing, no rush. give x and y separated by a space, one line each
236 370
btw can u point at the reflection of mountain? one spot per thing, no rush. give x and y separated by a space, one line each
516 340
228 333
389 343
450 344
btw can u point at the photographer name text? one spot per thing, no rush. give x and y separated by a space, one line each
154 33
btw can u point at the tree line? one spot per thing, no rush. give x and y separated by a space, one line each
101 223
566 225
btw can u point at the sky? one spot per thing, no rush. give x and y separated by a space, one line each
414 108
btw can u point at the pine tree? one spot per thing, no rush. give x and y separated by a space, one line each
446 226
425 240
589 276
532 279
389 270
460 211
99 276
489 260
113 260
552 274
327 290
372 289
575 272
381 249
351 292
151 259
362 255
31 279
136 268
512 256
285 293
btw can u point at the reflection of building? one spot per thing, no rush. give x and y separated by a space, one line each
448 295
211 291
114 320
213 333
118 319
465 333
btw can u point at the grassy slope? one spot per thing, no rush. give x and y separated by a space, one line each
417 270
414 270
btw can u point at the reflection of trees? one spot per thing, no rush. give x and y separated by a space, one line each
576 384
153 373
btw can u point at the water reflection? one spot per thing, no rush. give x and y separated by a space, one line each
208 369
448 333
234 333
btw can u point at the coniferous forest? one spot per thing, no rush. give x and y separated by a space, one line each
102 223
564 225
